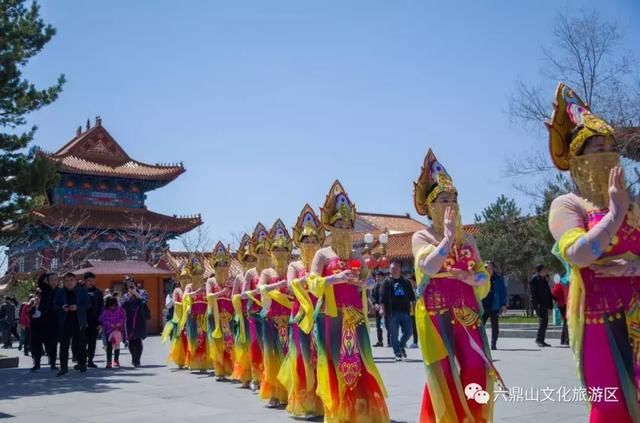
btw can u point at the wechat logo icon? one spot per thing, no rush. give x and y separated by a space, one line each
473 391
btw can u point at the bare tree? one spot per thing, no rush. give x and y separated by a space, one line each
587 54
69 242
144 240
234 239
197 240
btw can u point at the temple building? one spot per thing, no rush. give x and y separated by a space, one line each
97 209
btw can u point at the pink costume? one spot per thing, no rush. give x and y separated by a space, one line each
450 332
592 230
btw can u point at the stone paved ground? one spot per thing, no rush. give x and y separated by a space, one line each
157 393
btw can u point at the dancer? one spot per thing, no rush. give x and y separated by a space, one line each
174 329
597 237
195 304
252 277
452 281
242 360
298 371
219 293
348 381
276 306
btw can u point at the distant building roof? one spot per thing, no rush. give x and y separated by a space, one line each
124 267
399 244
96 152
394 223
115 218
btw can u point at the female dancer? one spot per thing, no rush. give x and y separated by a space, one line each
174 330
348 381
195 304
597 236
252 277
452 281
298 371
219 293
242 360
276 306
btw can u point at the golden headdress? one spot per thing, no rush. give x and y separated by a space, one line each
244 249
220 255
432 181
571 114
258 240
184 275
307 224
337 206
278 237
194 268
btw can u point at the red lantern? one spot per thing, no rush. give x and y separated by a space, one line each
372 263
383 263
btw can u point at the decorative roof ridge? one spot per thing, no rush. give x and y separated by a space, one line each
178 166
79 136
197 217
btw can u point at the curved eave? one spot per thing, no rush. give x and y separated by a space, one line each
171 172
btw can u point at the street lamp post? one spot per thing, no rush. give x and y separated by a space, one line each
377 260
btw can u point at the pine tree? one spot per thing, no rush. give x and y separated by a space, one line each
25 176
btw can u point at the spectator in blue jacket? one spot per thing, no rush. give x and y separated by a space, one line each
70 305
495 303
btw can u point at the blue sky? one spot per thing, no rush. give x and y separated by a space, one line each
267 102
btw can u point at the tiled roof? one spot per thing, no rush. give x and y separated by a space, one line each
471 229
114 218
173 260
399 245
393 223
96 152
121 267
130 169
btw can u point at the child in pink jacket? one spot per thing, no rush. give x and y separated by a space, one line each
112 320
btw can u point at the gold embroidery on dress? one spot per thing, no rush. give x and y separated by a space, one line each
633 328
466 316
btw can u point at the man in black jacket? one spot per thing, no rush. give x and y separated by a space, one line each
541 301
376 301
397 302
93 316
71 305
7 321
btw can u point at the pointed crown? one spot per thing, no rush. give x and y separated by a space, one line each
337 206
278 237
220 255
244 248
308 224
571 124
432 181
184 272
194 267
258 239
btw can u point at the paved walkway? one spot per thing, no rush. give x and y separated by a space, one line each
157 393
